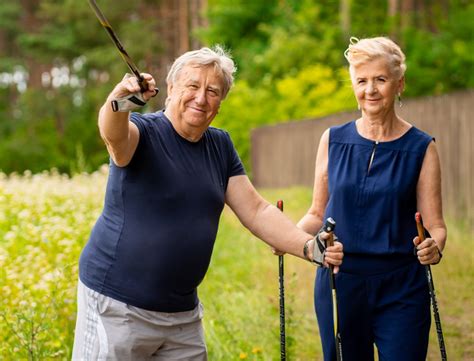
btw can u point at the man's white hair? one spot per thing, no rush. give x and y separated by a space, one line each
216 56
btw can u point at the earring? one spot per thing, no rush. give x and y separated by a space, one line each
399 100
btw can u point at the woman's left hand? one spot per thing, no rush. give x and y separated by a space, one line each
427 251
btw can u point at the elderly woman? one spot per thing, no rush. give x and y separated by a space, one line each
372 175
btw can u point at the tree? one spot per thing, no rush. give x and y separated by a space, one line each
60 64
57 63
283 51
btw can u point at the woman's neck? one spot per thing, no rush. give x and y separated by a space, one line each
381 128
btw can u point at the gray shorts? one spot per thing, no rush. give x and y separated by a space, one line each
107 329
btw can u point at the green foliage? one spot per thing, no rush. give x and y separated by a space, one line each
270 39
67 56
48 136
289 56
238 26
10 12
307 37
295 70
316 90
45 220
442 61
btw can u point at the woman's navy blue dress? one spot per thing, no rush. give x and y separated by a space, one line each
381 287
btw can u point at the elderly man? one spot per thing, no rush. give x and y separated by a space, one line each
170 176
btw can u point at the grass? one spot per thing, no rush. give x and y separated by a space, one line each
45 220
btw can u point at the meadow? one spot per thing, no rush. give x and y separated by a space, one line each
45 219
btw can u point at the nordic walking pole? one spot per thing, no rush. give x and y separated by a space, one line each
329 228
103 21
434 302
281 279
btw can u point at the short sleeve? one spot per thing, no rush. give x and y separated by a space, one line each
236 166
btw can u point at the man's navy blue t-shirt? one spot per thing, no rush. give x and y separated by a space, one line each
152 244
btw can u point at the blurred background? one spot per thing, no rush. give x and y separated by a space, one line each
57 65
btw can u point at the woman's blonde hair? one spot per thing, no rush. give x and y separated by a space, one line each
364 50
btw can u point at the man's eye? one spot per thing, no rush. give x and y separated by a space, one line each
192 86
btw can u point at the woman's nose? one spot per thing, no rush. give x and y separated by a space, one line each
371 88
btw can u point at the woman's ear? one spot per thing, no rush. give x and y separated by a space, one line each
401 84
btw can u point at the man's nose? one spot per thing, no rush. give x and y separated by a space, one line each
200 96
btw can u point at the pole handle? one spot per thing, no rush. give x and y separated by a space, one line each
419 226
329 228
280 205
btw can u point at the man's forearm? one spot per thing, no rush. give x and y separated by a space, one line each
113 126
274 228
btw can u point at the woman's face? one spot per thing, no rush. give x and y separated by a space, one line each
375 86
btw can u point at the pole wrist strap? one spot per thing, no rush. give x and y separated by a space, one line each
128 103
319 250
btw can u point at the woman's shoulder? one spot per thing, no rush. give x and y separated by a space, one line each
414 140
415 136
343 127
420 134
344 131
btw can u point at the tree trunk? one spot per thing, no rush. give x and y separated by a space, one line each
178 19
196 11
345 17
393 8
30 22
393 17
183 26
407 13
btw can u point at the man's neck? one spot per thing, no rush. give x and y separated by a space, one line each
190 135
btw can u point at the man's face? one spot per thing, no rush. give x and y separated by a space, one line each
195 97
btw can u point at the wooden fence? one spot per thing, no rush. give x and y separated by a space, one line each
284 155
